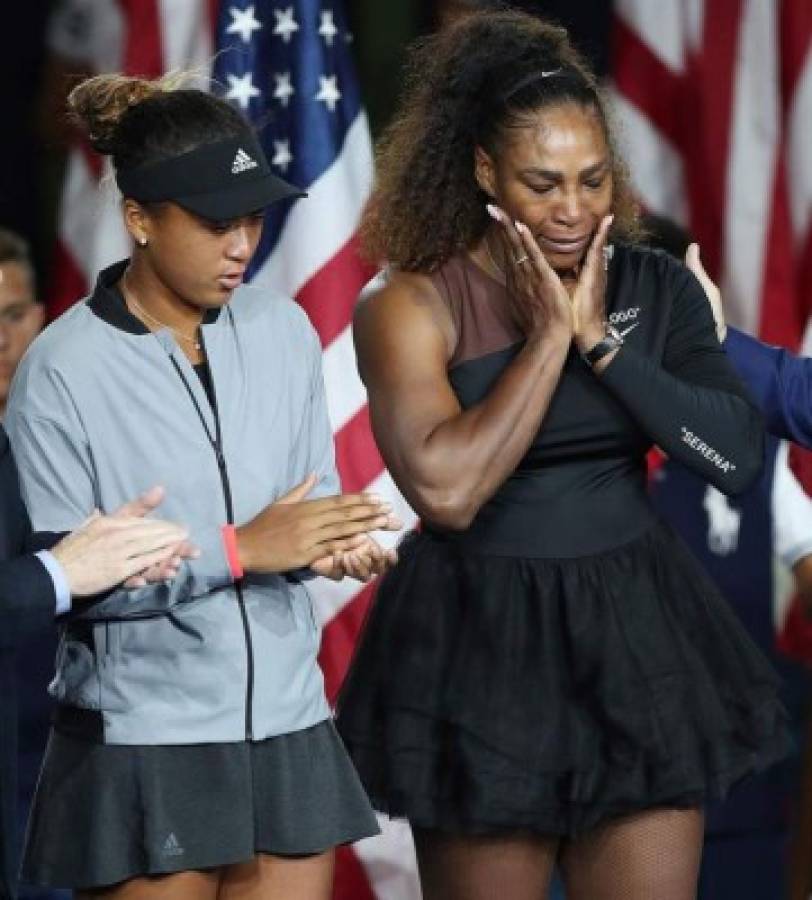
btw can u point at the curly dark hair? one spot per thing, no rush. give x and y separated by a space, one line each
464 86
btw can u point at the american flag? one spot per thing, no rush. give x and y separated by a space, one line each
288 67
714 101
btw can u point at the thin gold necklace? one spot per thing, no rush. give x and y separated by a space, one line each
128 296
494 263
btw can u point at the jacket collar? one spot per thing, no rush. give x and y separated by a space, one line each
107 302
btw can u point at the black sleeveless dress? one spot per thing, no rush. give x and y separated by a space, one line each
565 660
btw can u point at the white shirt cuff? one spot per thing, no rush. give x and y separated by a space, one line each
60 580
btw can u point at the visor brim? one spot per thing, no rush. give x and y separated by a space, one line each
239 200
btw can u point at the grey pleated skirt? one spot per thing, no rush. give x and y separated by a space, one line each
104 814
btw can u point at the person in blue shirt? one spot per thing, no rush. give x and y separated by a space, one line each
779 381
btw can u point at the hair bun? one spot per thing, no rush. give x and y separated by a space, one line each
99 103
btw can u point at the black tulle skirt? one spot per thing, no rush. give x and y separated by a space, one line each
492 693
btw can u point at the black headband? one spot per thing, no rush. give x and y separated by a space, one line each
219 181
542 75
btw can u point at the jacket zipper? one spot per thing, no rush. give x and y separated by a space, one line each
216 442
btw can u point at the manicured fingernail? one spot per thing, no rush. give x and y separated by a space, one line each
493 212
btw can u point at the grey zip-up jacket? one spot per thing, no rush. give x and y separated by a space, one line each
100 410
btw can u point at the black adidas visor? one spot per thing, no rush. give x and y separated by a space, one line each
218 181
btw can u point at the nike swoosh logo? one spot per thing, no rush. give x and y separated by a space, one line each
627 330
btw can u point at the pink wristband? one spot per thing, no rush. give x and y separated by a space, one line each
232 552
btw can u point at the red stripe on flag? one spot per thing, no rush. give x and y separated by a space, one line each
68 282
782 318
329 296
638 70
351 882
143 50
357 456
804 281
796 44
338 640
711 76
92 159
214 10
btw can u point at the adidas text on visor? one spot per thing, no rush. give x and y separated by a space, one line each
218 181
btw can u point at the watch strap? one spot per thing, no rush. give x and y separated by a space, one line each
610 342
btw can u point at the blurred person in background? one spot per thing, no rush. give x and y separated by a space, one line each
779 381
741 542
21 313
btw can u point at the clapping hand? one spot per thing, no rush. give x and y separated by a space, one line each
364 563
166 569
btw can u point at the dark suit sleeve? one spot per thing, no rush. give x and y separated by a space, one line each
779 382
26 589
27 594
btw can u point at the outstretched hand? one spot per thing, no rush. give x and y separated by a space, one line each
106 550
712 292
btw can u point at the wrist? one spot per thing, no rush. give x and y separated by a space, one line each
604 361
589 337
598 355
552 336
242 548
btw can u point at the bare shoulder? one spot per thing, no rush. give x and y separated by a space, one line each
406 304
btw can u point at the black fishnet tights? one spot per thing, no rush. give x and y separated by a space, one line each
652 855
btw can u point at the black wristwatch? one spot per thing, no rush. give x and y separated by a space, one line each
610 342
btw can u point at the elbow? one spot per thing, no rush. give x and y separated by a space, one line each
747 469
740 481
449 510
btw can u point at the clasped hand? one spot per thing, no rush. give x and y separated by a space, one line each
331 535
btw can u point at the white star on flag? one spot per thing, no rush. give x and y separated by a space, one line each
242 89
328 29
282 157
285 23
243 22
329 94
284 90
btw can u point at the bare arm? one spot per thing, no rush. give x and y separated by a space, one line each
448 461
